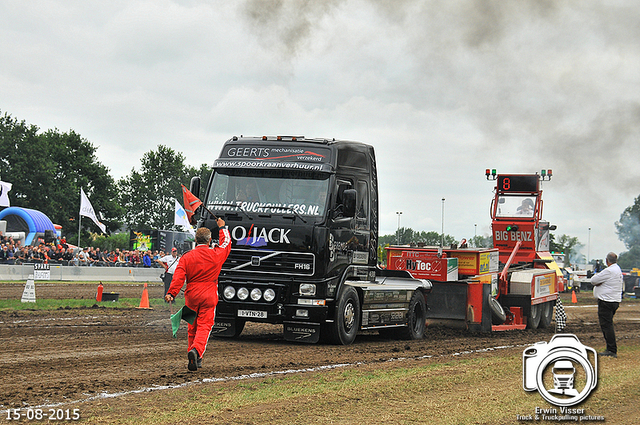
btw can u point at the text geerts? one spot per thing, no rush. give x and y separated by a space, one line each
253 152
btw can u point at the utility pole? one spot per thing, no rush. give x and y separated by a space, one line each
442 237
589 246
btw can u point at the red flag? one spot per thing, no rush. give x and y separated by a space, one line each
190 201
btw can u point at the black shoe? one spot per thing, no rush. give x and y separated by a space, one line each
608 353
199 362
192 355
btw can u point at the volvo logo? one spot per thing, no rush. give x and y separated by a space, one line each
255 261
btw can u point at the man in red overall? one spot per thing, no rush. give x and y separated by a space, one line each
200 268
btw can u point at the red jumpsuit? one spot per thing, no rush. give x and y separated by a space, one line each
200 268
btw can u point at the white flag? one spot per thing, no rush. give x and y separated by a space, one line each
180 219
4 194
87 210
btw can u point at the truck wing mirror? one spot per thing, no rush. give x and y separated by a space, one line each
349 202
194 186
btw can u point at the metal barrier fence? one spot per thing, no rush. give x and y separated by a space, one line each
83 273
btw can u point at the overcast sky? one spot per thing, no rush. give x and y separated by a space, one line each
442 90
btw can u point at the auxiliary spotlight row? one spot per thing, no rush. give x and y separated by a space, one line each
243 293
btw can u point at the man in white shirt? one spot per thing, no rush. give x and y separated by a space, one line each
83 257
170 262
607 288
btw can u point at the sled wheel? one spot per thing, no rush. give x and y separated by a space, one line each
534 316
546 314
498 316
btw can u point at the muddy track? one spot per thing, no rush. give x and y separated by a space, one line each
76 354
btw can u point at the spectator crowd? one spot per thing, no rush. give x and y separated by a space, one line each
61 253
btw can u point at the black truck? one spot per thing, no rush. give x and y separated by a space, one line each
303 218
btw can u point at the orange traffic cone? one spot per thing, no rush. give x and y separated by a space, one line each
99 294
144 301
573 297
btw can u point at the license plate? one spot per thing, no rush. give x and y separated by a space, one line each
252 314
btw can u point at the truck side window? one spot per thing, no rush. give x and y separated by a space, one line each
342 186
362 210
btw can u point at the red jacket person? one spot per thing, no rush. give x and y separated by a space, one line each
200 268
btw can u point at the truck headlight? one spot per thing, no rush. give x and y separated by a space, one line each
307 289
229 292
269 295
256 294
243 293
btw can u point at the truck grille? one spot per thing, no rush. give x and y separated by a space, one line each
264 261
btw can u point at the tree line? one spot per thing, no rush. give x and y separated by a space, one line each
48 168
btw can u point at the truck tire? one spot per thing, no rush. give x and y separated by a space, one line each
346 323
416 318
534 316
498 316
546 314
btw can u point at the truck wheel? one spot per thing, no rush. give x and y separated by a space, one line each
416 318
546 314
345 326
498 316
534 317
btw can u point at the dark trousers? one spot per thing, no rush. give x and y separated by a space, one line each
606 310
167 281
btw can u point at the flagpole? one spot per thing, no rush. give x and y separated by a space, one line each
79 219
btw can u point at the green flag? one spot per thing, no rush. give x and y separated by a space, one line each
184 313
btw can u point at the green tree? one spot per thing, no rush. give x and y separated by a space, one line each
47 171
204 172
630 259
406 236
628 229
111 242
382 254
628 226
569 245
481 242
148 195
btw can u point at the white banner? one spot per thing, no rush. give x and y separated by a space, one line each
4 194
87 210
180 219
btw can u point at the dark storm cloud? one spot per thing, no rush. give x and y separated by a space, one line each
442 89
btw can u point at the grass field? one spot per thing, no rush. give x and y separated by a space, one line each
466 389
49 304
463 386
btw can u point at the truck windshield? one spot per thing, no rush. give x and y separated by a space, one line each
269 191
516 206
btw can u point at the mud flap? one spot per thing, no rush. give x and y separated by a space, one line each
302 332
447 300
485 323
226 328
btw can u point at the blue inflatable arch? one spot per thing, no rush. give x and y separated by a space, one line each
33 223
